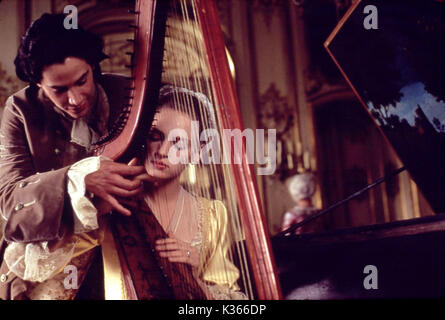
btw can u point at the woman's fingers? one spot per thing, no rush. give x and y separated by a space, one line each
172 254
166 241
167 245
190 256
177 251
179 259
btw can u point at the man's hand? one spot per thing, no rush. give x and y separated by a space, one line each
113 180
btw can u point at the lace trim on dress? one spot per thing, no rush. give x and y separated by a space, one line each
197 240
214 291
219 292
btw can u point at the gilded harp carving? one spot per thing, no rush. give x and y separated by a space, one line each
216 197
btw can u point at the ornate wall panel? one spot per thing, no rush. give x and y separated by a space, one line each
277 45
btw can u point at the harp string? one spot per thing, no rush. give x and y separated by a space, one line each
211 181
197 83
180 105
236 226
192 83
231 202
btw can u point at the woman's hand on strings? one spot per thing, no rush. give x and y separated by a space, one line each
177 251
113 180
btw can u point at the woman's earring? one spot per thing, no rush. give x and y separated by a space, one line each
191 171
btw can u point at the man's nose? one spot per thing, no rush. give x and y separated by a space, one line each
74 97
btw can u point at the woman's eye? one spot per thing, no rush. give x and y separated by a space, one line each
155 136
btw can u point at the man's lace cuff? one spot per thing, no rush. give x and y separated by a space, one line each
35 261
85 213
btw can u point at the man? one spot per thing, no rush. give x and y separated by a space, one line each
52 191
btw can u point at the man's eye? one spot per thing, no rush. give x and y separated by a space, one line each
60 90
81 82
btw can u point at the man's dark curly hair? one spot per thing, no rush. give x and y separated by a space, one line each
47 42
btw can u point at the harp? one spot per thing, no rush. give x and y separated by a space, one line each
180 42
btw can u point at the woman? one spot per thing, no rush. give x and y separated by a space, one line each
188 233
301 187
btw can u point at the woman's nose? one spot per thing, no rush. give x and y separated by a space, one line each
164 148
160 149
